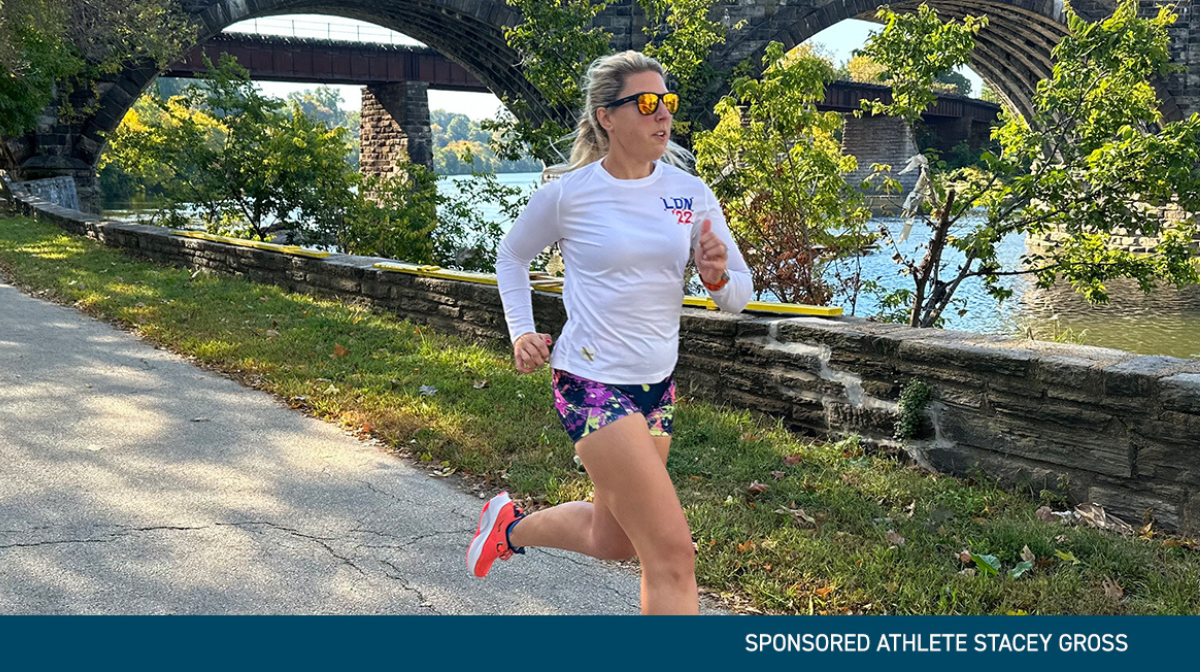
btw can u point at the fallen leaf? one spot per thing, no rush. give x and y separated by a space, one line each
428 390
793 459
894 537
1027 555
746 546
1017 612
908 510
969 571
1045 514
757 488
988 564
271 333
332 389
891 586
802 519
263 299
748 437
480 384
1069 557
977 519
1062 538
339 351
1021 568
778 474
1094 515
963 555
823 592
1112 589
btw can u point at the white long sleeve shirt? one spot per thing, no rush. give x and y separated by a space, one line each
625 245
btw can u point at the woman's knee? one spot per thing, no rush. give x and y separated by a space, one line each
672 557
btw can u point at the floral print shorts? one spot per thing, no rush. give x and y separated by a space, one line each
585 405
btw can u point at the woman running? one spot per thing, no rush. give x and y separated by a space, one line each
626 215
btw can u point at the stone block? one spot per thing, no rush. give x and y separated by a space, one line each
811 330
711 322
708 347
1028 475
1138 377
1181 392
871 422
1167 461
1101 451
973 357
1130 500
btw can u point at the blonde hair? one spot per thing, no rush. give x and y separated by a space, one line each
602 84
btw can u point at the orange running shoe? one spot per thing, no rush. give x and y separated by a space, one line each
491 537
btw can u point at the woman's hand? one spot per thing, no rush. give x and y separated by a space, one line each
530 351
712 256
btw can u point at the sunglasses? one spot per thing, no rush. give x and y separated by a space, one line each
648 102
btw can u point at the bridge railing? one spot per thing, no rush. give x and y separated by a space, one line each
346 32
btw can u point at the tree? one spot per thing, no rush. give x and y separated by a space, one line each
52 48
776 166
249 163
254 166
1095 158
866 70
557 41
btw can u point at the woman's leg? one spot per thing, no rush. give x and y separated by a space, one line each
582 527
632 481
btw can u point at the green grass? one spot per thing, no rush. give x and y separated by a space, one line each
507 435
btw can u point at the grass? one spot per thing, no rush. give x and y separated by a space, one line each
365 371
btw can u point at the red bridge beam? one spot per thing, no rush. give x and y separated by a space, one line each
289 59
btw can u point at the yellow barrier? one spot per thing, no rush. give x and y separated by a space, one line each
270 247
543 284
437 272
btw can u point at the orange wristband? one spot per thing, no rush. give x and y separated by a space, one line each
719 285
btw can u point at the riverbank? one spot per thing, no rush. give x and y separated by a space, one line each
835 530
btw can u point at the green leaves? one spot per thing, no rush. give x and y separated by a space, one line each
1094 160
988 565
916 50
1021 568
50 47
776 165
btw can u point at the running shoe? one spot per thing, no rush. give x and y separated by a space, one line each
491 537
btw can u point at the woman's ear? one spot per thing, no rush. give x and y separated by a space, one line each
602 118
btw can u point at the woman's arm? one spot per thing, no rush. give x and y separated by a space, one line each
734 296
535 229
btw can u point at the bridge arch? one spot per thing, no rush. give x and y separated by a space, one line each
469 32
1013 52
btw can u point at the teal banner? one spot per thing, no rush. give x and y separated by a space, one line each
597 642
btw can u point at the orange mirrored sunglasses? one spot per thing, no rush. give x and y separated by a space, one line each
648 102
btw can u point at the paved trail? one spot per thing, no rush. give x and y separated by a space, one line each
114 500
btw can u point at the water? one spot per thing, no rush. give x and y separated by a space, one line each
1165 322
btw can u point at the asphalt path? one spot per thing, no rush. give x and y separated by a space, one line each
132 482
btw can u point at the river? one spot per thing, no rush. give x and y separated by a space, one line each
1164 322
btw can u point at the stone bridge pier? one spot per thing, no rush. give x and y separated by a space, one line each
395 126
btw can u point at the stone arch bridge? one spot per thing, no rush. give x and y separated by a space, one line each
1013 53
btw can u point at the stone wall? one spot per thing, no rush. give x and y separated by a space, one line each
56 190
1103 425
